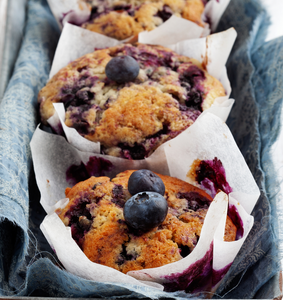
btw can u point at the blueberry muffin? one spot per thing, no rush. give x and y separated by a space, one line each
95 215
122 19
131 119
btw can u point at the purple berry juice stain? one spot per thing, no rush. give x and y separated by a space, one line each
217 275
237 220
63 16
96 166
195 278
58 129
211 175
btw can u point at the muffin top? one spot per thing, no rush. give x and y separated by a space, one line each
131 119
95 215
122 19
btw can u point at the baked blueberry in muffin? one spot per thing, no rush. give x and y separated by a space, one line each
209 175
131 116
95 214
122 19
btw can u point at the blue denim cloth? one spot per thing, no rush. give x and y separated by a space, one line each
18 118
16 13
27 264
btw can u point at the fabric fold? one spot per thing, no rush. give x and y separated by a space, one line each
18 118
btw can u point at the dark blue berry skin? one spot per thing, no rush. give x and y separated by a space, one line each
165 13
145 210
145 180
122 69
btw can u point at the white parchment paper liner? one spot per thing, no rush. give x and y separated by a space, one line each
220 245
207 138
212 52
78 12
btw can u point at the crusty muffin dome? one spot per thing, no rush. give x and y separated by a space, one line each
95 215
122 19
131 119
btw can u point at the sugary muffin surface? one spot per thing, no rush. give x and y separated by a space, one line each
131 119
122 19
95 215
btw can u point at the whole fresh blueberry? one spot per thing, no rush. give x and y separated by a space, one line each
145 210
145 180
122 69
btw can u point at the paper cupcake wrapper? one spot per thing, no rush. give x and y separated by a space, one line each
78 12
207 138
